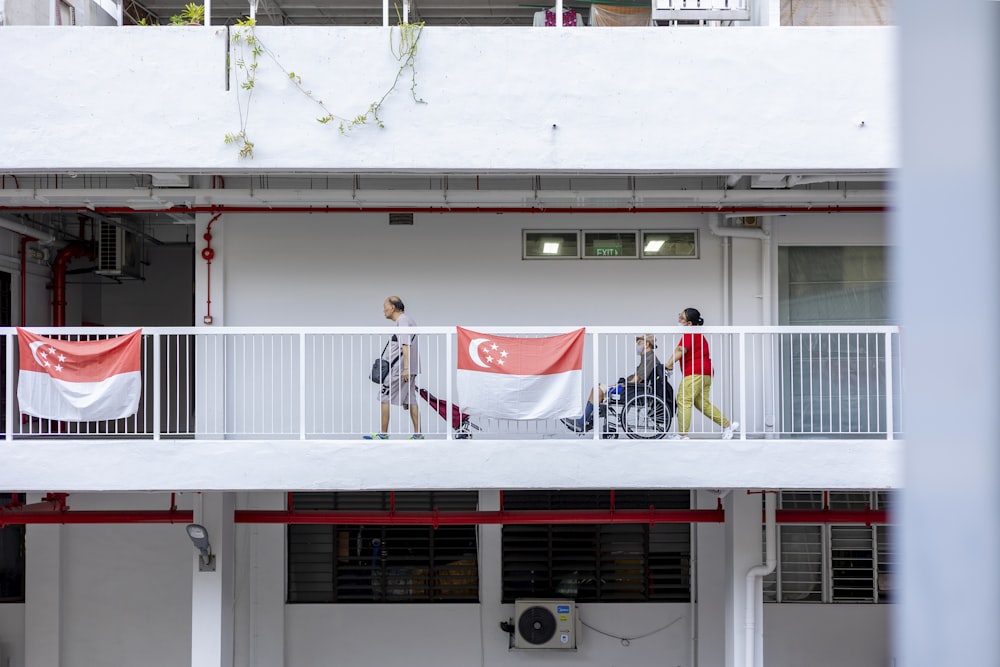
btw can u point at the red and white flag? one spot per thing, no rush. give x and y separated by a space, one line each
79 380
520 378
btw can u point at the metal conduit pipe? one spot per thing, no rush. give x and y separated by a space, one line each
754 579
749 210
24 230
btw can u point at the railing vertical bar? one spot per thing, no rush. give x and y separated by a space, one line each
599 426
155 340
9 410
890 407
449 349
302 386
743 383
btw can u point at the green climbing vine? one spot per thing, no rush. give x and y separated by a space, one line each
403 40
244 39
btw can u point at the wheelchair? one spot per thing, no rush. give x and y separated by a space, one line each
640 411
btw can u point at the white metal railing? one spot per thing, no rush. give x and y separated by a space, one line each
312 383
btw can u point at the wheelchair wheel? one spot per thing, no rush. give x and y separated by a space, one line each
646 417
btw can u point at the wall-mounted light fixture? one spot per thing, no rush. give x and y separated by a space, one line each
199 538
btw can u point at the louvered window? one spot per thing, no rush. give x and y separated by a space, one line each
11 559
831 562
391 564
606 562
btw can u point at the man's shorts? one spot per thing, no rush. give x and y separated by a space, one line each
398 392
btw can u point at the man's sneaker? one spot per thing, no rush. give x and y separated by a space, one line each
727 433
377 436
417 436
675 436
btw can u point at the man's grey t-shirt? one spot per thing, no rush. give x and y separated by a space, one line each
405 320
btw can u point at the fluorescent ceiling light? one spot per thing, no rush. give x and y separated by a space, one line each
550 248
653 246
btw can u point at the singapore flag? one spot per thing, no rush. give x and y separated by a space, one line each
520 378
79 380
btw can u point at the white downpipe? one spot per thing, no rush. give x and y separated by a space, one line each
752 620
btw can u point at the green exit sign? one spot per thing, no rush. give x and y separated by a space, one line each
608 250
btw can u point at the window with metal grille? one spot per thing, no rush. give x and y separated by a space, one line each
602 562
11 559
831 562
390 564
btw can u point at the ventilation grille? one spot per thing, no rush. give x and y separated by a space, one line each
400 218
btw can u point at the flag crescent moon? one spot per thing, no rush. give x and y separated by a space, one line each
474 352
34 352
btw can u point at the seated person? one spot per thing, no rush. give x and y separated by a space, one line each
645 347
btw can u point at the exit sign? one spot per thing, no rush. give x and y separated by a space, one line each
608 250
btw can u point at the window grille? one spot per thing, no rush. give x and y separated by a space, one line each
603 562
388 564
11 559
830 562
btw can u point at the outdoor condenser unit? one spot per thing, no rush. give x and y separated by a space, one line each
545 624
119 251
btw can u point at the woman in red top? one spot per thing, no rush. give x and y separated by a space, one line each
696 365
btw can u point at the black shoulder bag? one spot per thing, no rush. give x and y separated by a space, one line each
381 366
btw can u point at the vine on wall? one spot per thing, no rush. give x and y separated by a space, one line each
403 40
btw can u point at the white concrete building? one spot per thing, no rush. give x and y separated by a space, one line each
758 154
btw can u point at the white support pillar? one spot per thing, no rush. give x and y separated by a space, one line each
260 614
949 59
491 611
708 637
212 615
42 595
743 551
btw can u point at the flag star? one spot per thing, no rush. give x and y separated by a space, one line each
46 364
62 357
489 359
43 354
494 346
503 353
58 368
500 362
52 350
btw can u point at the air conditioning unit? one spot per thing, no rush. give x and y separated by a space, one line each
545 624
119 251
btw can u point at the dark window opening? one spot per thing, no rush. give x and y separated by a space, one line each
364 564
602 562
11 558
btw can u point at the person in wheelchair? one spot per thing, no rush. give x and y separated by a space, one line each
645 347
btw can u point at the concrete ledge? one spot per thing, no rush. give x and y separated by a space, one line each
261 465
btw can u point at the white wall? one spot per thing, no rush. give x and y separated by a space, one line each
828 635
497 99
12 634
126 588
451 269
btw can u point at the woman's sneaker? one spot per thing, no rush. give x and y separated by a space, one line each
377 436
727 433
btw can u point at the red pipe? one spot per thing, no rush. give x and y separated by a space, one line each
208 254
16 517
63 258
468 209
473 518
